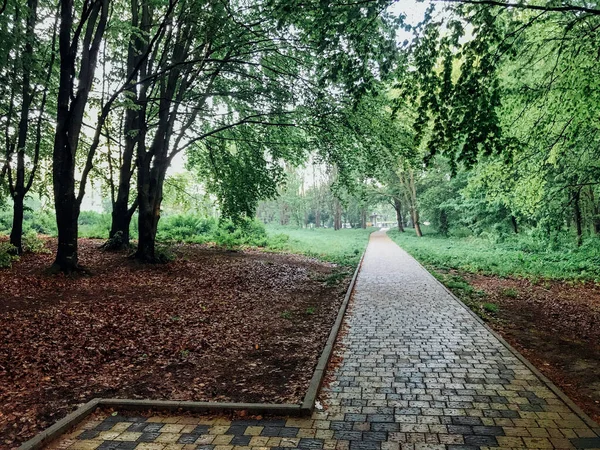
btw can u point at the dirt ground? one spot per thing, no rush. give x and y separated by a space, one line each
210 325
556 325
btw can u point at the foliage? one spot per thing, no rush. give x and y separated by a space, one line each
7 254
33 244
518 255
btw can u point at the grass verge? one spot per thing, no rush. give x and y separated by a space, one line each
343 247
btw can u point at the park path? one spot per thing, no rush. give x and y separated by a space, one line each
418 372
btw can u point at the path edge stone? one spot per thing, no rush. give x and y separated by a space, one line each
316 381
60 427
285 409
549 384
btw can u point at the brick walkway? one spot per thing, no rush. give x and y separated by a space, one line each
419 372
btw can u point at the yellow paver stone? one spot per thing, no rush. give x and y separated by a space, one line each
128 436
205 439
172 428
537 443
224 447
150 446
108 435
222 439
163 419
289 442
258 441
167 438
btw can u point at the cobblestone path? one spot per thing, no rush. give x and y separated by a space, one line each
419 372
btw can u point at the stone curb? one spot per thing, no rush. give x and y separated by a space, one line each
61 426
549 384
284 409
317 379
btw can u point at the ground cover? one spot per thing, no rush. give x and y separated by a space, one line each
341 247
514 255
545 308
210 325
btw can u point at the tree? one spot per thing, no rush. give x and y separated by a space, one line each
79 46
28 73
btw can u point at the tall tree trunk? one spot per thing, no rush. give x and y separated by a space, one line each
513 221
337 215
577 216
363 218
398 209
416 223
16 233
595 211
19 190
444 226
133 128
149 199
317 217
69 120
411 198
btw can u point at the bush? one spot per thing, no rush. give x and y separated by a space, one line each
186 228
246 232
7 254
32 243
94 225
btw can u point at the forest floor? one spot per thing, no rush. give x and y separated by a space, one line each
210 325
554 324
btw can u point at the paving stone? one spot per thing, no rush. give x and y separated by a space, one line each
365 445
241 440
148 436
88 434
310 444
153 427
188 438
481 441
288 432
271 431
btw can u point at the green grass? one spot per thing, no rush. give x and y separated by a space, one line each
342 247
519 256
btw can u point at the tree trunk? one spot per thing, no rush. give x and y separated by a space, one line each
147 227
416 223
317 218
444 226
69 120
16 233
595 212
337 215
577 216
513 221
19 191
133 130
398 209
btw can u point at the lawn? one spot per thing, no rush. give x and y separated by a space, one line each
341 247
519 256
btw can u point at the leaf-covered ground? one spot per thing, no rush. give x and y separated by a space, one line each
211 325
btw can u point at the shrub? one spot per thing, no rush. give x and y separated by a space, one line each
186 228
246 232
32 243
7 254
